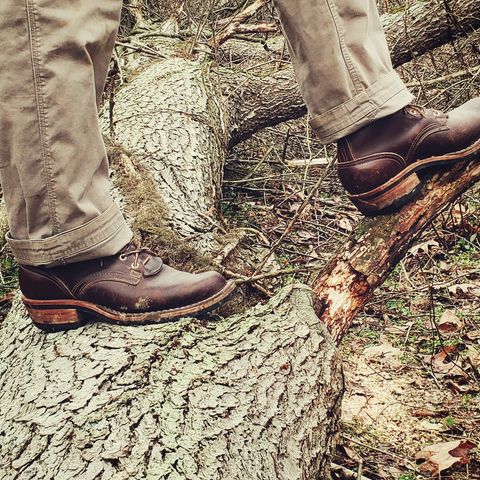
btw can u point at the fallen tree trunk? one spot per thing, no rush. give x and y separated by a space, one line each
253 396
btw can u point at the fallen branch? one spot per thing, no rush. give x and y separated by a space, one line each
364 262
233 25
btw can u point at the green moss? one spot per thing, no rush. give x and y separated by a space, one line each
148 212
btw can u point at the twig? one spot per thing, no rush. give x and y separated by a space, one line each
234 25
346 473
7 298
444 78
141 49
278 273
405 462
292 222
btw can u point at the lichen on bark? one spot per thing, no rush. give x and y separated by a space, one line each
252 396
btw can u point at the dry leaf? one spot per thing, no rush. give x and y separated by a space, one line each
424 413
345 224
458 216
424 247
461 389
449 323
384 353
352 454
473 354
306 235
305 213
397 329
441 456
431 426
473 335
444 368
465 288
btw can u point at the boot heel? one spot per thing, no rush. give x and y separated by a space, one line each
389 199
55 319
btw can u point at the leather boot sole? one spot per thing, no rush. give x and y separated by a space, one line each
406 185
58 315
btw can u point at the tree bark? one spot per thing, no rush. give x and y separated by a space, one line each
428 25
253 396
170 119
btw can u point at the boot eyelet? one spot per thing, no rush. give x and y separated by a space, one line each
122 257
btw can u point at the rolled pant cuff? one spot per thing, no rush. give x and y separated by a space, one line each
105 235
385 97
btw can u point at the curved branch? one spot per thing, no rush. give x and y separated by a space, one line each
428 25
377 245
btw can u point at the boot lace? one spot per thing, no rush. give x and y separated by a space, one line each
137 263
425 112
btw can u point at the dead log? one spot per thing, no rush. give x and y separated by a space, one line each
366 259
252 396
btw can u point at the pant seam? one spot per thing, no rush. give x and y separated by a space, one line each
39 86
354 75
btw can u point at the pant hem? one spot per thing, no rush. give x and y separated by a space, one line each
386 96
105 235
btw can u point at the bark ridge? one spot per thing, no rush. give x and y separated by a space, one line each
254 396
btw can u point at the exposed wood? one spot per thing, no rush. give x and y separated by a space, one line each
364 262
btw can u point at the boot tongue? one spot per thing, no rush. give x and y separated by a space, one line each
153 266
151 263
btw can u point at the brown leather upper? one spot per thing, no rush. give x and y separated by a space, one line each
133 281
374 154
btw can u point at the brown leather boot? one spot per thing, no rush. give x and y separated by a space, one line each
132 287
378 164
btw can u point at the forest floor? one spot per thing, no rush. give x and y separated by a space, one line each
412 359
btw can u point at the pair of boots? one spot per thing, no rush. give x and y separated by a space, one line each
377 164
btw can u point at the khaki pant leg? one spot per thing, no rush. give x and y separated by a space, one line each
342 63
53 165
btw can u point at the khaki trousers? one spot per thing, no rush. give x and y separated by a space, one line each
342 64
53 65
